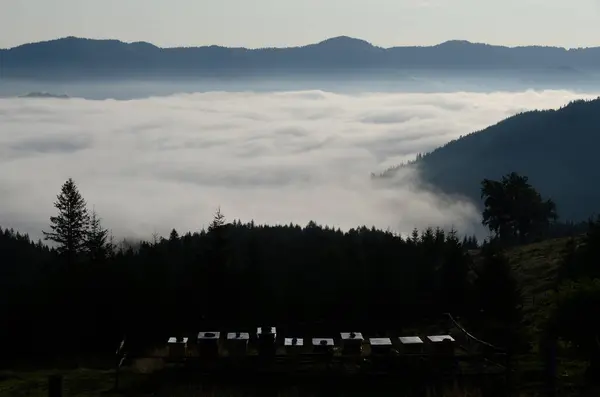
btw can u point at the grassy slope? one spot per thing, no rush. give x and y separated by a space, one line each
535 267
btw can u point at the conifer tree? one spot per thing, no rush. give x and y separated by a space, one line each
218 221
97 239
499 297
70 226
218 258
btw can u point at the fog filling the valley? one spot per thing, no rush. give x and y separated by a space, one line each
154 164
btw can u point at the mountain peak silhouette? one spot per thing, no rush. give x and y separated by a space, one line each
83 58
345 42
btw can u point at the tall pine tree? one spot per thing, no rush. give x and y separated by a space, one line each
70 226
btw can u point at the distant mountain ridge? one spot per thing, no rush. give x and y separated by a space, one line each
556 149
89 57
44 95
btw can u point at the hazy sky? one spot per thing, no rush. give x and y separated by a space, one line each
260 23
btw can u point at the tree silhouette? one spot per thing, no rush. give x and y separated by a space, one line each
498 289
218 221
218 260
70 226
577 320
498 296
97 245
513 210
453 273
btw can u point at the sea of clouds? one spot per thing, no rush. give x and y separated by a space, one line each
150 165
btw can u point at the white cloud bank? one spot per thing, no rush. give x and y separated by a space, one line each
153 164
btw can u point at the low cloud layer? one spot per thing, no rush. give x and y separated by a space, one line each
153 164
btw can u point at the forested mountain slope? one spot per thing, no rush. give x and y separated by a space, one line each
556 149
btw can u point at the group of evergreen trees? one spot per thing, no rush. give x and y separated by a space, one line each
86 294
75 231
514 211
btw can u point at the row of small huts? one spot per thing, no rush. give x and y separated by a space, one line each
265 341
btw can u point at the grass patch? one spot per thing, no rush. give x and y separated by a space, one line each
76 382
536 268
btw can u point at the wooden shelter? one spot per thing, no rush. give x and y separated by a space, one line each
351 342
237 343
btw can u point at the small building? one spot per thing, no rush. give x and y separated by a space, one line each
209 336
351 342
208 344
237 343
266 331
380 346
176 347
323 345
293 345
266 341
411 345
442 344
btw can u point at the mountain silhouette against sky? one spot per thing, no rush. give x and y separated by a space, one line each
556 149
77 57
44 95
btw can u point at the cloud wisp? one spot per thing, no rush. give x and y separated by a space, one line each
152 164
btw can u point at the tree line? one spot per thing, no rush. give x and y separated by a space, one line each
86 293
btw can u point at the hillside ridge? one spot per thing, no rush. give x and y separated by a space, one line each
333 39
552 147
78 57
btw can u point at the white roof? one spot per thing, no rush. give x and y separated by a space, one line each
380 341
410 340
174 340
273 330
288 342
242 336
440 338
209 335
352 336
319 342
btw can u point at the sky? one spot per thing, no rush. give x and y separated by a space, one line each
282 23
150 165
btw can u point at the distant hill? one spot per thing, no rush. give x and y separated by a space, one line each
73 57
556 149
44 95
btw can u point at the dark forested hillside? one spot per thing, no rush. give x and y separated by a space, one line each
74 57
82 297
232 276
556 149
86 293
